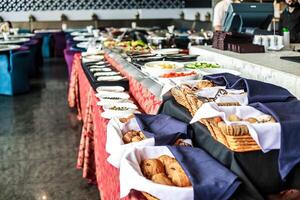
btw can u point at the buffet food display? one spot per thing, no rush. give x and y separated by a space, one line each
221 103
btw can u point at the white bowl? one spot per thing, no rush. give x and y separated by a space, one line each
154 68
181 79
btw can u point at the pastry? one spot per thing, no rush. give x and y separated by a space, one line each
127 137
265 119
205 84
166 160
126 119
177 175
251 120
234 118
162 178
151 167
133 136
136 139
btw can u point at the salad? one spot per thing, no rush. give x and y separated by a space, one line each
201 65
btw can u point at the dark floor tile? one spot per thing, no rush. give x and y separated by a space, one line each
39 140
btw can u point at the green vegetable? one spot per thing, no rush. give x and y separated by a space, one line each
201 65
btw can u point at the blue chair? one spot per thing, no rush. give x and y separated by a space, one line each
14 73
46 46
24 31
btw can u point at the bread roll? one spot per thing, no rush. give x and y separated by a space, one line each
162 178
127 137
151 167
251 120
166 160
177 175
136 139
234 118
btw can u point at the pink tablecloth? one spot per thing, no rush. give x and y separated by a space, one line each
92 154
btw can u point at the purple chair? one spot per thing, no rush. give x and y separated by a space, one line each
69 56
59 44
39 55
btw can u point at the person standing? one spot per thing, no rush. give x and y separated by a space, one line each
290 19
220 13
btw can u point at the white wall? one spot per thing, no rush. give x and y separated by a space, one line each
105 14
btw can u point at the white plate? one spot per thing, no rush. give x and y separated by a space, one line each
154 68
97 66
101 69
81 34
110 78
106 73
83 45
130 106
122 95
94 58
110 89
106 102
208 71
166 51
109 115
101 63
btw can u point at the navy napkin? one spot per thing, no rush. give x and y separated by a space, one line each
288 115
165 129
257 91
210 179
222 79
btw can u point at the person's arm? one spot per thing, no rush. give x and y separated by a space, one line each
218 18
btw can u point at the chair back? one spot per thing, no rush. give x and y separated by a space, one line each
33 49
5 78
20 62
59 44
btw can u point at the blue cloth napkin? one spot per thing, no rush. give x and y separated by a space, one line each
222 79
165 129
210 179
288 114
257 91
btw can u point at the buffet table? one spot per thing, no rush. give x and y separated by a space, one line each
267 67
258 171
92 154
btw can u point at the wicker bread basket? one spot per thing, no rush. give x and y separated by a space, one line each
148 196
190 101
234 137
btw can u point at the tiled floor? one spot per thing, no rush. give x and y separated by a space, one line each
39 141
